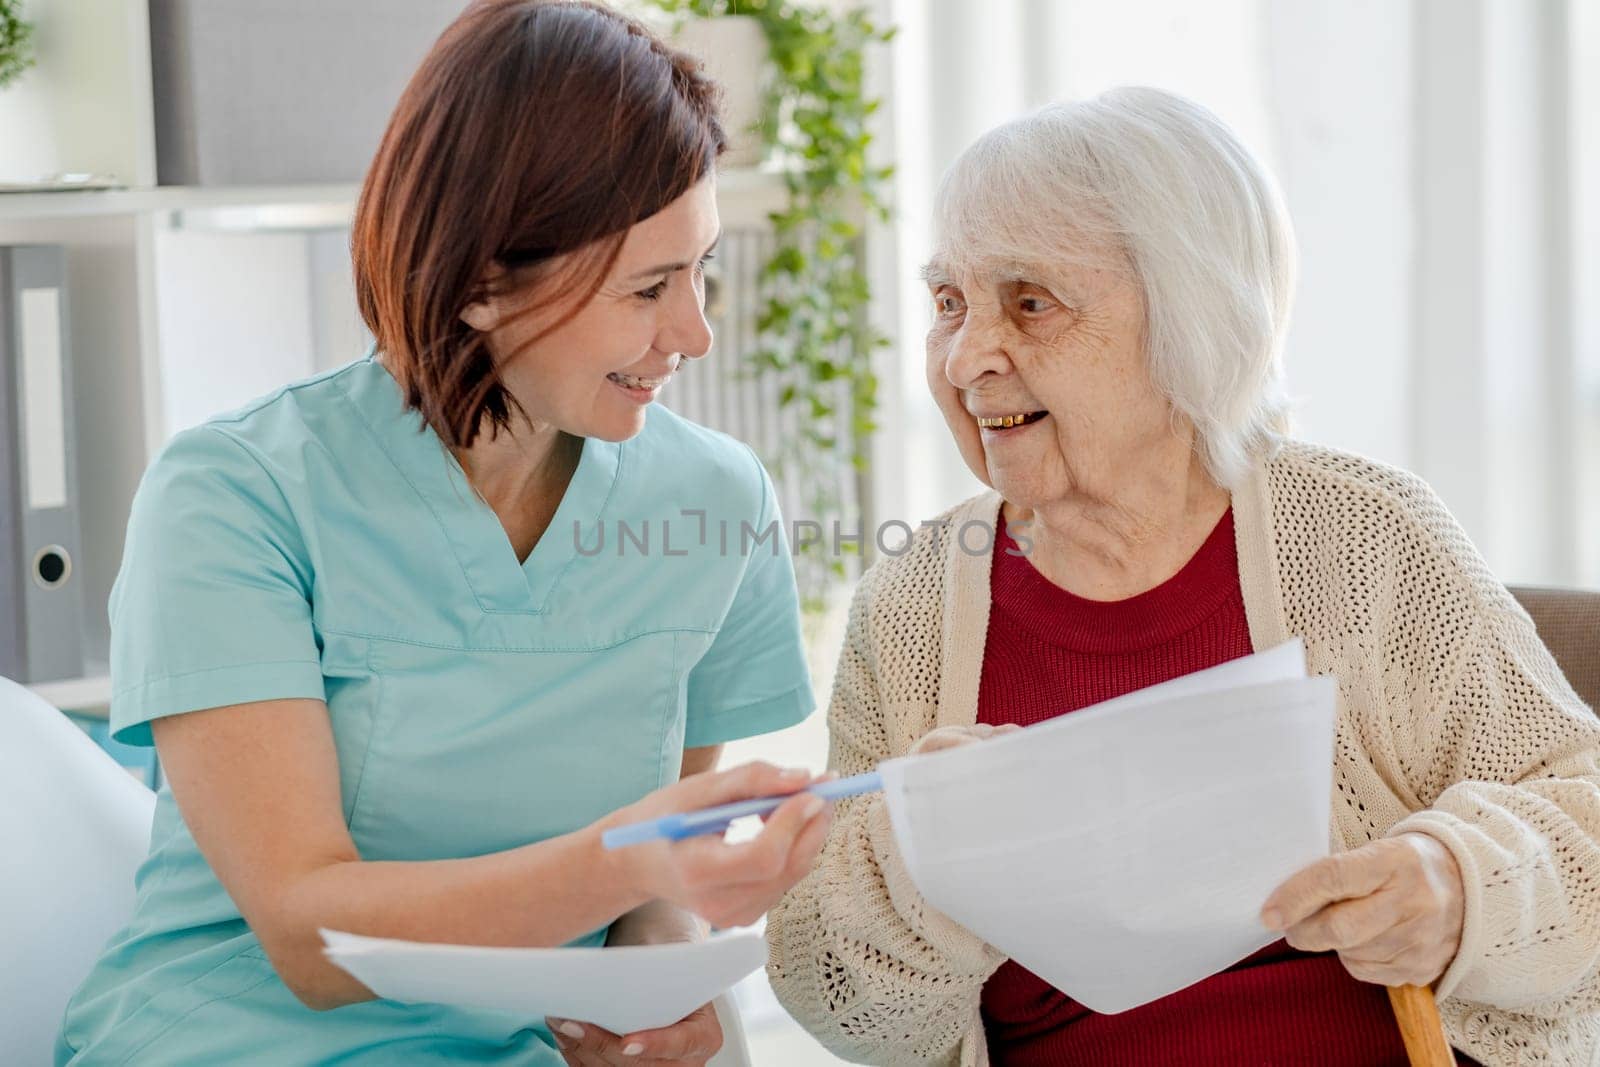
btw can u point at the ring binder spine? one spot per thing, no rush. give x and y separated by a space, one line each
41 602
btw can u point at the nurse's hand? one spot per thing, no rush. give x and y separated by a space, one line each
727 884
689 1042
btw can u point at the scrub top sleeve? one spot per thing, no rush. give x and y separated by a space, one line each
212 604
753 678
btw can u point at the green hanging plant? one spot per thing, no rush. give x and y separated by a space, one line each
814 337
16 42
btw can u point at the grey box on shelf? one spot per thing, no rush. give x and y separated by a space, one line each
281 92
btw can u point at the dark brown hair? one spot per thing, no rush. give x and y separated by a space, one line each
533 129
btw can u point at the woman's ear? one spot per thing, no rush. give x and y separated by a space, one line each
485 313
481 316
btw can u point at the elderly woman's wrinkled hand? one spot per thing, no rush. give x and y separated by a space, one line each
1392 909
955 736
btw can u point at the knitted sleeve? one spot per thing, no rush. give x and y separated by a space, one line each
1523 822
857 956
1505 760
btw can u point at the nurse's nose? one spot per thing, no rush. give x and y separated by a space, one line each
683 327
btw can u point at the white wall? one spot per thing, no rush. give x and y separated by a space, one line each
1527 421
1344 160
241 312
1583 124
234 320
1496 409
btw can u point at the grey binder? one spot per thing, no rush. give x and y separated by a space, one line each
41 602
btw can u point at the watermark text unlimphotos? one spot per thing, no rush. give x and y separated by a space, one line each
692 531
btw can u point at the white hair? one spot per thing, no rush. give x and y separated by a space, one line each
1147 181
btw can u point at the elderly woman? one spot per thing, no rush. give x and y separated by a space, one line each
1110 286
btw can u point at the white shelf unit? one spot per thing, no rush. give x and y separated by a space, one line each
745 197
15 207
185 301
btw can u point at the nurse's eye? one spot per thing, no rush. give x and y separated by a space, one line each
654 292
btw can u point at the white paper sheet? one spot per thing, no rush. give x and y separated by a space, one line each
623 989
1123 852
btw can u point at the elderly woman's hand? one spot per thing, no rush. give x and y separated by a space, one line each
1392 909
955 736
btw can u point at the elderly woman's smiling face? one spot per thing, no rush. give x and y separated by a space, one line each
1042 374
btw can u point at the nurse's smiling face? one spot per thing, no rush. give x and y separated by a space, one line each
596 374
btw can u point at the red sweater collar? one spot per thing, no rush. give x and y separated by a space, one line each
1027 599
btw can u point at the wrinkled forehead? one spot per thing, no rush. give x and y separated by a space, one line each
1066 266
987 237
998 271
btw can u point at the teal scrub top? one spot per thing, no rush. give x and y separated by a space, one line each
323 543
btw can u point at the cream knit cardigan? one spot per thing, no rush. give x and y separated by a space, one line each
1453 720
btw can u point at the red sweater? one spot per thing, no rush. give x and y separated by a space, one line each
1049 652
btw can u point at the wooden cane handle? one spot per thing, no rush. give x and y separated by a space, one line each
1420 1026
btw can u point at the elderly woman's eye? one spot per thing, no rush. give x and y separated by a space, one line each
1033 305
947 303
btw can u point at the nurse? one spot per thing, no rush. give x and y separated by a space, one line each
410 635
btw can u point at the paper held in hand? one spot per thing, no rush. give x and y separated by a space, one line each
624 989
1123 852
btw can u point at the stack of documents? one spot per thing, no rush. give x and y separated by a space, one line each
1123 852
623 989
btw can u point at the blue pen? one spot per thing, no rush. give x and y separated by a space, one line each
715 820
